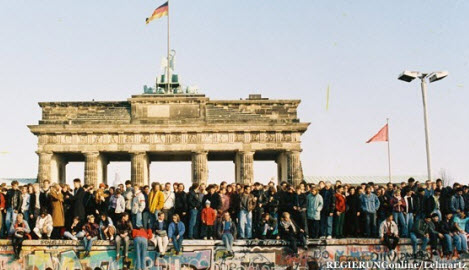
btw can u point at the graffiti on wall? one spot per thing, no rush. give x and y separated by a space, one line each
67 259
199 257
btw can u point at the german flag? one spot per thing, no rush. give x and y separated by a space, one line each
159 12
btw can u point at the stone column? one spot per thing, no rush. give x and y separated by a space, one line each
102 169
199 167
140 168
281 167
91 168
289 167
294 169
44 168
58 168
244 166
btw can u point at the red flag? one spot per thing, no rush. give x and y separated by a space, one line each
381 136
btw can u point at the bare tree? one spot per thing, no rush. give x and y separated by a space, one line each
446 177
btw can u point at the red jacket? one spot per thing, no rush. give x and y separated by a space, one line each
142 233
339 202
208 216
2 201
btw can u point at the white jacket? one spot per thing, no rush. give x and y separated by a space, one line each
138 203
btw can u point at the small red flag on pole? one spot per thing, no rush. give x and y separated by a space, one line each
381 136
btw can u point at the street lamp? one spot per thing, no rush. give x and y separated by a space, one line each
409 76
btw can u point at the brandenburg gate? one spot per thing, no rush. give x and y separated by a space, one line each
171 127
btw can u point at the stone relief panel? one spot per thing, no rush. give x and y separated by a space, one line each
170 138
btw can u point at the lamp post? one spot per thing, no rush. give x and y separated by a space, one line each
409 76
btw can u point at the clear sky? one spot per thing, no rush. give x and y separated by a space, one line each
102 50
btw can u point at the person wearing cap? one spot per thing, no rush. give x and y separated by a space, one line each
457 202
91 230
208 217
421 230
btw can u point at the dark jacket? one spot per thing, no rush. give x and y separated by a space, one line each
329 201
14 199
272 203
430 205
91 229
78 203
221 226
78 228
353 204
287 233
301 200
32 202
421 227
193 200
180 203
215 200
124 227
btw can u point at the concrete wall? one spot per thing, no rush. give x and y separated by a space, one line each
251 254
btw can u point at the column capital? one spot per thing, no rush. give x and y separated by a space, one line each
202 152
137 153
91 153
42 152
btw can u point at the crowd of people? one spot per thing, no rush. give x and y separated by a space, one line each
166 213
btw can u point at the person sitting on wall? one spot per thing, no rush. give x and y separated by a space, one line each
91 231
44 225
389 233
460 238
106 227
160 239
289 231
176 233
267 227
227 232
75 230
124 229
19 230
421 230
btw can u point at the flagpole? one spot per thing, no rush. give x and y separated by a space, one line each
389 151
168 79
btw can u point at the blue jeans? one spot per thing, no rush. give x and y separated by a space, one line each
400 220
137 220
10 218
177 243
141 246
413 239
228 239
193 230
153 218
448 243
409 219
326 224
87 243
460 241
370 224
245 224
146 220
